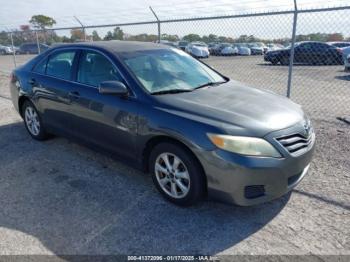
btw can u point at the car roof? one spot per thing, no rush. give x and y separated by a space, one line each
117 46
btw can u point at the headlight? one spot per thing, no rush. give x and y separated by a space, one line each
250 146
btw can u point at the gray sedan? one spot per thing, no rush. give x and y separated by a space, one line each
198 133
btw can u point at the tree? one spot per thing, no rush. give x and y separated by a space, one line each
118 33
171 38
108 36
335 37
192 37
76 34
95 36
42 22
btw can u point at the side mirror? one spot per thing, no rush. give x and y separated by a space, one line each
113 88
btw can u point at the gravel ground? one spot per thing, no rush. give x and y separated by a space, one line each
58 197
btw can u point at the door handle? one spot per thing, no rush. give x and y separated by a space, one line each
74 95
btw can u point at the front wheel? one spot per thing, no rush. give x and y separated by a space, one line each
177 174
284 60
33 122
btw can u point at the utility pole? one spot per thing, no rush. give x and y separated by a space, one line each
82 26
13 50
291 57
158 22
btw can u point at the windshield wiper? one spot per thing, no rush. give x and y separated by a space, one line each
210 84
171 91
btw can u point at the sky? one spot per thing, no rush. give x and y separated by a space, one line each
91 12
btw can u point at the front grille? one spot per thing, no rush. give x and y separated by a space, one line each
296 143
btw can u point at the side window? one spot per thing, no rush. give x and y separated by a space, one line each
41 67
60 65
304 46
95 68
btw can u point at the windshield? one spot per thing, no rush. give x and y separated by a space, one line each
169 69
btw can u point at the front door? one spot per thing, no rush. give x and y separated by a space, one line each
106 120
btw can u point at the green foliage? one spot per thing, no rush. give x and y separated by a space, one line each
321 37
192 37
142 37
108 36
95 36
42 21
118 34
171 38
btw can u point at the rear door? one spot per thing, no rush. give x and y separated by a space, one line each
303 53
53 88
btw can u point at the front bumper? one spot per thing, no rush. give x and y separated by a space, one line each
245 180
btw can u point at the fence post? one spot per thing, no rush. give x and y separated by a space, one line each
37 41
158 22
82 26
291 58
13 50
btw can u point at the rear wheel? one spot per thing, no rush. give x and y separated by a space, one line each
284 60
274 61
33 122
176 174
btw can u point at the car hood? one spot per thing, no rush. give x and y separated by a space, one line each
234 108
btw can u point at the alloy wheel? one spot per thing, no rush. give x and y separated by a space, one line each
172 175
32 120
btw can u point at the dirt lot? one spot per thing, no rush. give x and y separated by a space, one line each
58 197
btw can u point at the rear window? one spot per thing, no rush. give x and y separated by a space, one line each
41 67
60 65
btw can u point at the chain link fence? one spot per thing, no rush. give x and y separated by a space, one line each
264 49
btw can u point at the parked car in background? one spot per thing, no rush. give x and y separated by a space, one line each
169 43
225 49
243 49
255 49
261 45
198 49
32 48
5 50
215 49
347 63
346 57
229 50
182 45
211 47
313 53
339 44
273 47
196 132
16 49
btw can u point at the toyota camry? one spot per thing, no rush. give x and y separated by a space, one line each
197 132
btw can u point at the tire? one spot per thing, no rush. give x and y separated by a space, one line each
189 187
33 122
284 60
3 52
